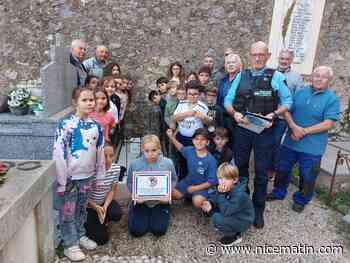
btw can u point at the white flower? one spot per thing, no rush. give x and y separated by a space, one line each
20 91
19 97
14 103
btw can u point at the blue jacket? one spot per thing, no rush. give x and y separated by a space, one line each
224 87
235 203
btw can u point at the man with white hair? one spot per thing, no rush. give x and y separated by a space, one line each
294 79
233 66
94 65
78 51
315 110
262 91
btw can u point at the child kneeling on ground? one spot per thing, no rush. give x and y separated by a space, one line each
151 215
101 206
230 207
201 168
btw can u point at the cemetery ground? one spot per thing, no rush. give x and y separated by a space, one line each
192 238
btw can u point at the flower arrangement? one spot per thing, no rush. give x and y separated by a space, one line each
18 98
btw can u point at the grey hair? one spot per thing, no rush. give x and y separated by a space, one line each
236 56
77 42
329 70
101 47
287 50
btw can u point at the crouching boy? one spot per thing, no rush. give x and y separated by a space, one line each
230 207
201 168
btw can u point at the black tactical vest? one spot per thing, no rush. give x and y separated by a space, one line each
255 94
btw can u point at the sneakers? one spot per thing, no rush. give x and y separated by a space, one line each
74 253
298 208
87 243
231 240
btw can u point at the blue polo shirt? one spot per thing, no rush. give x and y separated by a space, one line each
309 108
277 84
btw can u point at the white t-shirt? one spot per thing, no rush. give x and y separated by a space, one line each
189 125
123 103
114 110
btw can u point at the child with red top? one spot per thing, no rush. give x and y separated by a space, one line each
101 114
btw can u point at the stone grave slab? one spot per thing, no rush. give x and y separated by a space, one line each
32 137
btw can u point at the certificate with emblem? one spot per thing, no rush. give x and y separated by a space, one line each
151 185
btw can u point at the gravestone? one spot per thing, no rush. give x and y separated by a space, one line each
296 25
58 80
31 137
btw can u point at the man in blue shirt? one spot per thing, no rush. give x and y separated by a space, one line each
263 91
294 82
94 65
313 114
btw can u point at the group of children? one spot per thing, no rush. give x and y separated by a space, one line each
86 176
113 93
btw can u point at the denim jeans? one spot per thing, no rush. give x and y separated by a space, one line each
245 142
72 210
279 130
309 167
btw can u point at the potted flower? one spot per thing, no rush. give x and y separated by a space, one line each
18 101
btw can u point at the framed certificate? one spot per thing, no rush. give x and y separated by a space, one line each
151 185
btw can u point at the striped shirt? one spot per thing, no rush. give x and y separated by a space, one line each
100 190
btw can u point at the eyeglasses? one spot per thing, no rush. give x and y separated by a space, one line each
193 94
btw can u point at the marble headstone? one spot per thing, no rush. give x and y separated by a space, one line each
31 137
296 25
59 78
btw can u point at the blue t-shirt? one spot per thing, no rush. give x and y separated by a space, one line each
200 169
310 108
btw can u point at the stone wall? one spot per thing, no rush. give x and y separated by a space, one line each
146 36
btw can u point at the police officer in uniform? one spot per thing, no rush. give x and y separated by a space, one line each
263 91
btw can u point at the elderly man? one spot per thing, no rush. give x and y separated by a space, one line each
294 82
293 78
94 65
233 66
78 51
257 90
313 114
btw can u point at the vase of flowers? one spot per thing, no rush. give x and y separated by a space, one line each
18 101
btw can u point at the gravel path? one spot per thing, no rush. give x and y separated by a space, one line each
191 238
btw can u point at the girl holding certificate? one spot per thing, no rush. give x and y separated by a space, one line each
149 215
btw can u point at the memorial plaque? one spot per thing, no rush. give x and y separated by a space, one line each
296 25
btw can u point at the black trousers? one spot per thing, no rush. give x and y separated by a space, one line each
97 231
